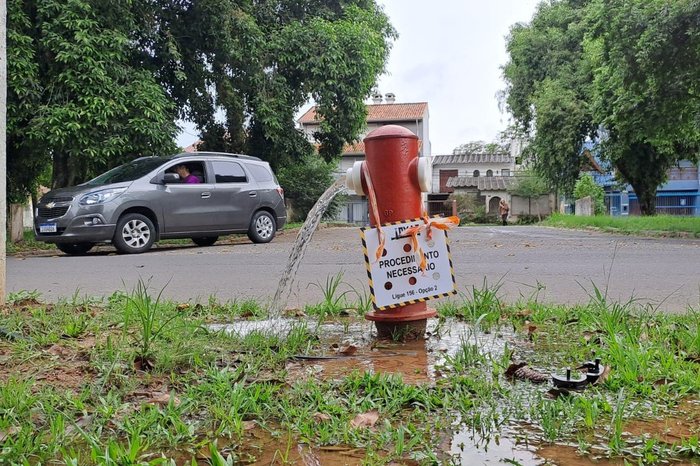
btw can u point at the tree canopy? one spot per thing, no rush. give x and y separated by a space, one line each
95 83
77 99
623 73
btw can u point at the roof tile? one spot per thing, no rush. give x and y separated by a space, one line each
380 112
482 183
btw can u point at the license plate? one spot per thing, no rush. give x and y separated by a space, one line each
47 228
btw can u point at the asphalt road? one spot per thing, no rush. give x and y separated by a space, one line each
557 266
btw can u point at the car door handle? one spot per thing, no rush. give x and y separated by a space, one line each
252 194
206 195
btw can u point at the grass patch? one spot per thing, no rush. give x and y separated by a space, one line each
28 244
660 225
75 387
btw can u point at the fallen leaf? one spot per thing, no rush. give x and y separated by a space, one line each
348 350
522 371
249 425
662 381
183 306
514 367
58 350
321 417
8 432
367 419
164 399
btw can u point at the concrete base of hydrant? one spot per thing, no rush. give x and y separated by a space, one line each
402 326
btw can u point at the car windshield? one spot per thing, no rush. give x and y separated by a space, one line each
129 171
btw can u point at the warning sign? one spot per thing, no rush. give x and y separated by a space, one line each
396 278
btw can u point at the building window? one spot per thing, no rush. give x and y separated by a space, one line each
489 172
505 172
476 173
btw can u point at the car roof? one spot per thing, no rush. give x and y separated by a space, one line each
217 154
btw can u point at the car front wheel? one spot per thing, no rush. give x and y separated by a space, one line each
135 234
262 227
75 249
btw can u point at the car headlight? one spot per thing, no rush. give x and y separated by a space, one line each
100 197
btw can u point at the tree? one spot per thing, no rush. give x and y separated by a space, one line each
241 70
646 55
547 92
86 105
304 182
587 187
105 80
480 147
624 73
530 185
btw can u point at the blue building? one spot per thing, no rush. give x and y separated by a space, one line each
680 195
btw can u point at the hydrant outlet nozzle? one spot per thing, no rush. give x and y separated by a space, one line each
425 174
353 178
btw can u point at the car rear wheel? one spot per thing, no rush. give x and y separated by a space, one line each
75 249
204 240
135 234
262 227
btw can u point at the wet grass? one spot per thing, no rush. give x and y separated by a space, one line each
659 225
134 379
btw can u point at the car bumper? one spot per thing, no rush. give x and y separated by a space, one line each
89 228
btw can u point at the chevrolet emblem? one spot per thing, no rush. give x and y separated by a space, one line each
50 205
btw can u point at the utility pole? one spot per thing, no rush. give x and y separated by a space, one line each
3 149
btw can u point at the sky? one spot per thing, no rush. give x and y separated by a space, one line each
449 53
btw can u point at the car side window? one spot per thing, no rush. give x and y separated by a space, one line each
260 173
195 168
228 172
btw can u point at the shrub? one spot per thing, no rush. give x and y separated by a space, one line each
304 182
586 186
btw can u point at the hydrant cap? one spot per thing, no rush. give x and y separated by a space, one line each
390 131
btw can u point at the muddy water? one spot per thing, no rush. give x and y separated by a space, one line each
348 346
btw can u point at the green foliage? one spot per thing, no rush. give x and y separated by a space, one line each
257 63
240 395
480 147
547 89
646 54
93 105
93 83
529 184
586 186
304 182
624 73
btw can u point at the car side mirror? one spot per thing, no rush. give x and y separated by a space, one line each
171 178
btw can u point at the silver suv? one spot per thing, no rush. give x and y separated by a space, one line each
143 201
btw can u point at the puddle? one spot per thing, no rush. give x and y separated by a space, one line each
671 430
348 346
415 361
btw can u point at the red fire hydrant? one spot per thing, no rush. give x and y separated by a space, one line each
398 176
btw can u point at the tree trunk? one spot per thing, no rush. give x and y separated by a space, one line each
61 171
16 222
645 169
646 198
